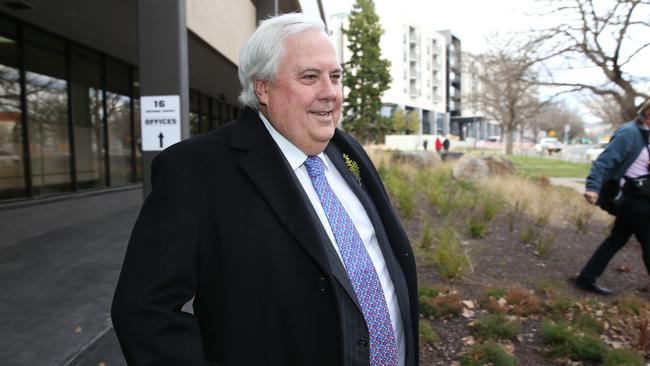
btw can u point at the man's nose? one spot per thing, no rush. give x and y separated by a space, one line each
329 90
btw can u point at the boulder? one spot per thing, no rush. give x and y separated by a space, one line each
499 165
471 168
420 159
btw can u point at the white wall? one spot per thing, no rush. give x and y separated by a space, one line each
225 24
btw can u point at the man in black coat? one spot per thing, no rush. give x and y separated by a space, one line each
279 227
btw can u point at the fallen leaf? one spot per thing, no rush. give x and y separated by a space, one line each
469 304
469 340
468 313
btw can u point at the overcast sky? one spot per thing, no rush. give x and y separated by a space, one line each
470 20
473 20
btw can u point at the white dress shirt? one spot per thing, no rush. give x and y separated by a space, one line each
359 218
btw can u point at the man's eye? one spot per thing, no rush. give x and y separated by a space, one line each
310 77
336 76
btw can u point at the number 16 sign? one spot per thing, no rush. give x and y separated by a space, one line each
160 120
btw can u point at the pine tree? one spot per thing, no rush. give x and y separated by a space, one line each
367 75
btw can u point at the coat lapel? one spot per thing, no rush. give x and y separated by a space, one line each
271 174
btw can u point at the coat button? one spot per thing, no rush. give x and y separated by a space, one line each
323 285
363 343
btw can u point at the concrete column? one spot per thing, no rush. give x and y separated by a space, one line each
162 61
266 8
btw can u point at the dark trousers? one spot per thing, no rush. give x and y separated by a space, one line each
633 218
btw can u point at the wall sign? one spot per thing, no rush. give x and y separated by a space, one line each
160 120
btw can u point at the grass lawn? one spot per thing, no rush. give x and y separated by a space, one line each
549 167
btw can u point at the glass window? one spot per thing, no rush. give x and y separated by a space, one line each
205 113
87 118
215 121
138 133
195 128
118 118
12 175
47 112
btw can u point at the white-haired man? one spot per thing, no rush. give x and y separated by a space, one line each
277 224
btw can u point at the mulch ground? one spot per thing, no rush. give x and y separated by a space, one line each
500 259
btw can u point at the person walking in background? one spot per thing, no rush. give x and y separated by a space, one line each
278 226
626 162
445 145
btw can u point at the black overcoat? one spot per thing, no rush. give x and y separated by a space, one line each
225 222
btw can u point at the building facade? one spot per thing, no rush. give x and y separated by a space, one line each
70 84
72 75
473 122
418 57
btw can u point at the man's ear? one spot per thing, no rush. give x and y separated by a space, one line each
261 90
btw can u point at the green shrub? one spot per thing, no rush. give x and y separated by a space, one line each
563 341
487 354
491 206
581 218
557 306
631 305
440 306
477 227
529 236
587 324
427 334
426 238
427 292
399 185
544 244
448 256
622 357
495 326
496 292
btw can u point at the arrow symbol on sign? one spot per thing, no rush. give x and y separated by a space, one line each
160 137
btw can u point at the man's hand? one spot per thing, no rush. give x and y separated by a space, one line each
591 197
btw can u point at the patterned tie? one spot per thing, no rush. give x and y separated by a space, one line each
358 265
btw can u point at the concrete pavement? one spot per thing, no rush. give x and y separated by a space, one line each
576 183
56 292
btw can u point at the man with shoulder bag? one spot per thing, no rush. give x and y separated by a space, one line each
619 182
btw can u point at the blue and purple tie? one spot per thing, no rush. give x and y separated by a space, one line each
358 265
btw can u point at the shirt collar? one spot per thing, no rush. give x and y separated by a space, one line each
294 155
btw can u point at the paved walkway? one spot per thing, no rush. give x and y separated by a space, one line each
576 183
56 294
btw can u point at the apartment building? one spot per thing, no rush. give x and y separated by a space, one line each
473 122
419 66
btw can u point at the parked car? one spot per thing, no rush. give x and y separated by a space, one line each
592 153
549 144
7 159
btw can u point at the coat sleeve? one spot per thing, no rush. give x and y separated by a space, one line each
608 161
159 276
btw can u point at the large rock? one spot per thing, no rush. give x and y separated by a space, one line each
471 168
420 159
499 165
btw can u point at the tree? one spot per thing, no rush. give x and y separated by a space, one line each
366 74
605 35
554 117
508 91
405 123
605 108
